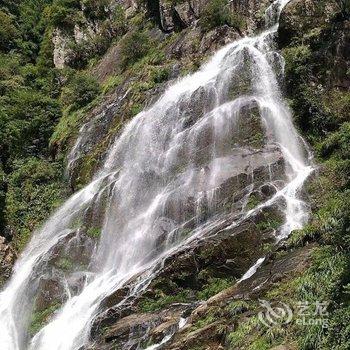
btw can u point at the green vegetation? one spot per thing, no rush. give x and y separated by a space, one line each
269 221
214 286
8 31
30 185
216 13
253 201
42 109
212 315
39 318
65 264
162 300
94 232
79 91
134 46
33 190
111 83
321 107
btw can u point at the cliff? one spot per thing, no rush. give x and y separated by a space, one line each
88 69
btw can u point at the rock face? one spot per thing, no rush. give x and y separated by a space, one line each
7 259
175 16
227 251
138 329
61 51
236 241
301 16
171 17
313 23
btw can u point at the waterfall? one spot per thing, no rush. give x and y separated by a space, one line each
169 162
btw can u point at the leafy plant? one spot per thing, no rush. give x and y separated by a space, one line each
133 47
80 91
216 13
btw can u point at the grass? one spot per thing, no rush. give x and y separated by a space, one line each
94 232
39 318
162 300
213 287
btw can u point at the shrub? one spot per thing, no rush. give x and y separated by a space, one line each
3 186
96 9
216 13
134 46
34 190
337 143
80 91
28 121
111 83
118 23
94 232
8 31
160 75
344 8
62 12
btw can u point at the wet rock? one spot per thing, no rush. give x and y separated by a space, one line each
138 329
185 44
211 335
312 23
251 289
253 12
51 290
217 38
7 259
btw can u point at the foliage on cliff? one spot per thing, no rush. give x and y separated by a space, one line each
318 84
33 96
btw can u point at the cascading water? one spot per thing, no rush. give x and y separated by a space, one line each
168 162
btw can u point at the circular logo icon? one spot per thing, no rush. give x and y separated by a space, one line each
272 315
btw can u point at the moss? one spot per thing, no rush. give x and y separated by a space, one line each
65 263
214 286
111 83
213 314
260 344
162 300
66 128
205 321
253 201
238 307
39 318
94 232
88 166
299 238
270 222
69 125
